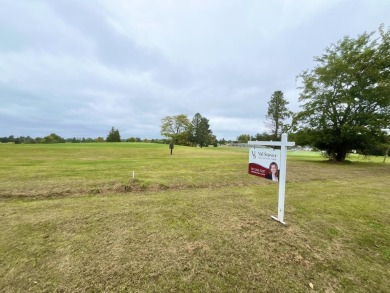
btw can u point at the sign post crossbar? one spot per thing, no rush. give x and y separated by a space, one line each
282 175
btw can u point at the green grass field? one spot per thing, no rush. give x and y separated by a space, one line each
73 219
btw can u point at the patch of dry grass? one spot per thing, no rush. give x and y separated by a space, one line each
39 171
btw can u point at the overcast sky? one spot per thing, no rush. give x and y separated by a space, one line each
78 68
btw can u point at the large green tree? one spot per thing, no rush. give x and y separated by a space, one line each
53 138
176 128
277 113
243 138
346 97
200 131
113 135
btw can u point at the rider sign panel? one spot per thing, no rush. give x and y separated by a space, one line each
264 162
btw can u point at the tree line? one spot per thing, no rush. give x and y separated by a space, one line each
113 136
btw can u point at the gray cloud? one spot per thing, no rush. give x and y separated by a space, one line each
111 46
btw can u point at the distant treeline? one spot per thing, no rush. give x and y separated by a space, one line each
378 150
113 136
54 138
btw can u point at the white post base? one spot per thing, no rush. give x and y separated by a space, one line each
276 219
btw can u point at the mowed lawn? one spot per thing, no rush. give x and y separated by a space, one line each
73 219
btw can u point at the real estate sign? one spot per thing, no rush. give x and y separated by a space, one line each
264 162
271 164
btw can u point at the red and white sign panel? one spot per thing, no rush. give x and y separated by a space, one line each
264 162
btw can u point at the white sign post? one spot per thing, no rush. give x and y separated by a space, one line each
282 173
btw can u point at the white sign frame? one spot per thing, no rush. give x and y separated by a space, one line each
284 143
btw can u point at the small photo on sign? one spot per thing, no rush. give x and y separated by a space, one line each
273 172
